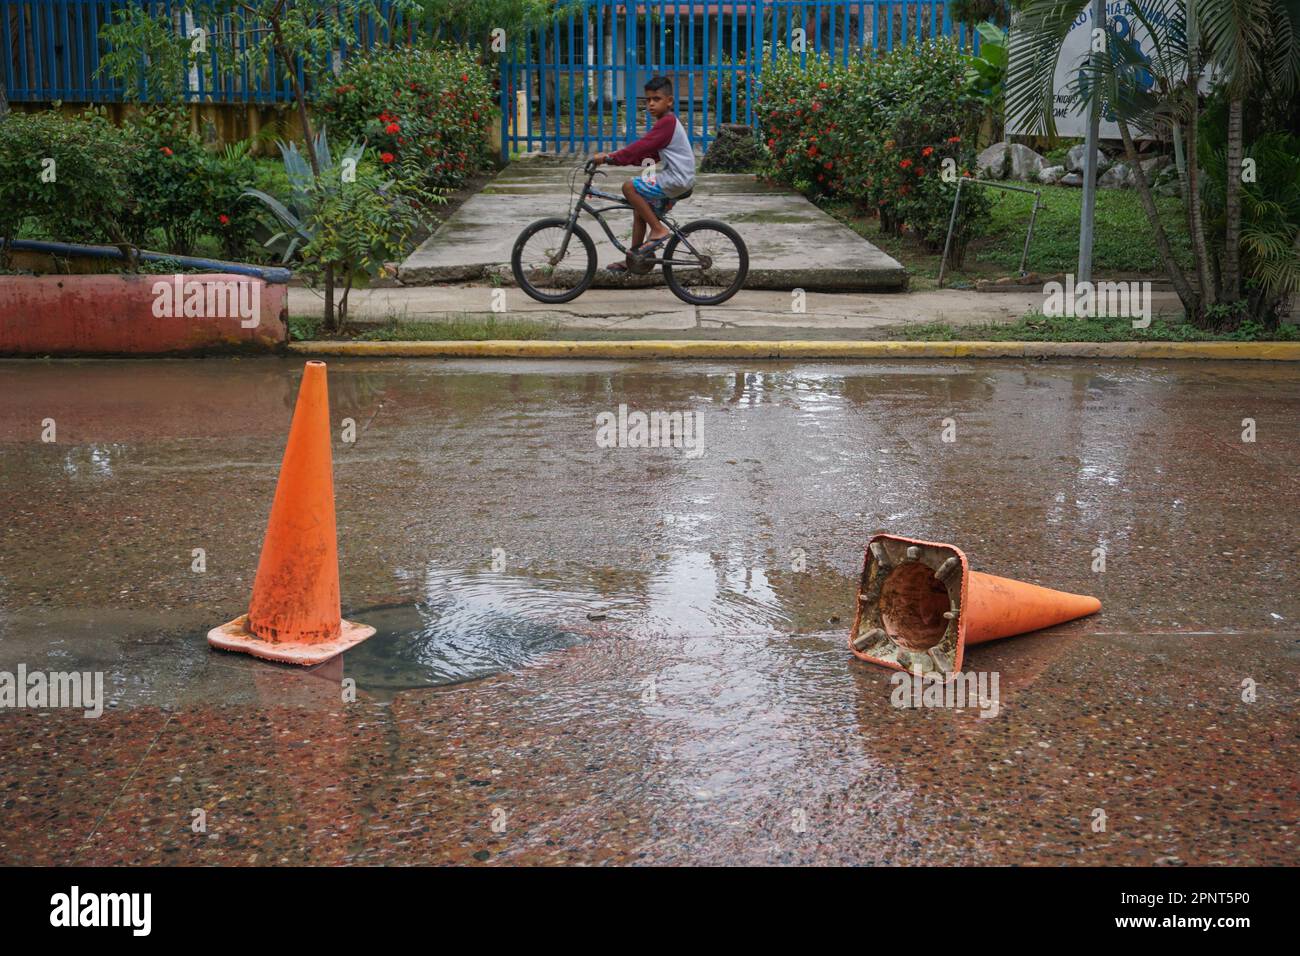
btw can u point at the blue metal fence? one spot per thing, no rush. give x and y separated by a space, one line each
51 49
573 85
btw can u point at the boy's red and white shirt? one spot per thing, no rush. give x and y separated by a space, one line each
667 144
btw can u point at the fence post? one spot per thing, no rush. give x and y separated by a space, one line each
504 73
629 68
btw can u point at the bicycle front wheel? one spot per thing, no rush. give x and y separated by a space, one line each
542 272
707 263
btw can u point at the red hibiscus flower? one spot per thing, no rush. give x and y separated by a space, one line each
386 157
167 151
223 219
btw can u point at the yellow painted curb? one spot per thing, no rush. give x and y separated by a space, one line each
709 349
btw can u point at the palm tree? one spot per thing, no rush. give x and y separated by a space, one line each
1242 42
1252 41
1113 77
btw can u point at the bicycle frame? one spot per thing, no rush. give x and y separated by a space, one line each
620 203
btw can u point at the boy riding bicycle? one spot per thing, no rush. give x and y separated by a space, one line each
668 145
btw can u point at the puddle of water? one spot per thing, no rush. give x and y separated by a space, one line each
467 625
422 645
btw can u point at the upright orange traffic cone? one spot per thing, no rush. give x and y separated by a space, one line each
294 616
920 605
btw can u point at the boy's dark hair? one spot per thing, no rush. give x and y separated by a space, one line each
659 84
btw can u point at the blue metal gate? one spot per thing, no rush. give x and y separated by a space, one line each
574 86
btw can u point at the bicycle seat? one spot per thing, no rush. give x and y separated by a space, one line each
666 204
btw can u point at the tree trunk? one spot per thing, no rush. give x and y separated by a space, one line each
1180 162
329 298
300 99
1232 206
1195 222
299 96
1186 295
343 300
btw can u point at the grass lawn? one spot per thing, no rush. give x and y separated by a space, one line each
1123 246
1036 327
466 329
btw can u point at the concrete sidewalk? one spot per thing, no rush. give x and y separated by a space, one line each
792 243
754 311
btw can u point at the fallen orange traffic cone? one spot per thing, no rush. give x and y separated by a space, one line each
294 616
920 605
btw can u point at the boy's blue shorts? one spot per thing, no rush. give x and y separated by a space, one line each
651 193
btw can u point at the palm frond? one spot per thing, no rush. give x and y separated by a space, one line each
1034 50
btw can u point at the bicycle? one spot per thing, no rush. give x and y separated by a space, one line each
704 263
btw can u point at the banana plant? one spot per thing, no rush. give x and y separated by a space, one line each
986 69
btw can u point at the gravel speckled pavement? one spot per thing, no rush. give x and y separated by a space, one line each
714 713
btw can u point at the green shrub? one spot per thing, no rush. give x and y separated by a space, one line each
424 110
733 152
877 132
185 189
64 177
118 185
344 223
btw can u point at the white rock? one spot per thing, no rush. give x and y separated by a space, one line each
1118 176
1074 159
1025 163
991 163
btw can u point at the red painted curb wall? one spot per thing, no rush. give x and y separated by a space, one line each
140 314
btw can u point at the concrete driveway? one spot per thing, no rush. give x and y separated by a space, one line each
792 243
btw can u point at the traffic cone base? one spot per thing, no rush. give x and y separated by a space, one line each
236 636
920 605
909 615
293 615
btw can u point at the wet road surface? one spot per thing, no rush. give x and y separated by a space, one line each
667 631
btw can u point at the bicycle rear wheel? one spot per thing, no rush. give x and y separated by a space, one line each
707 263
538 267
